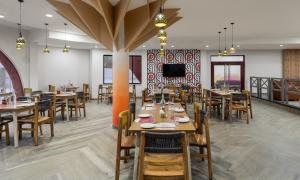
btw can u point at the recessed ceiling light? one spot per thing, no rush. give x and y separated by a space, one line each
207 46
49 15
281 45
1 16
172 46
238 46
144 46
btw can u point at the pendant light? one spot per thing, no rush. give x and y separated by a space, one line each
20 41
161 51
220 52
163 42
225 52
46 49
162 34
160 19
232 49
66 49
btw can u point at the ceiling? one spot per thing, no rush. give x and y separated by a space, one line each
260 24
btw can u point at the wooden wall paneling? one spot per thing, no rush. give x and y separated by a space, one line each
68 12
291 63
94 21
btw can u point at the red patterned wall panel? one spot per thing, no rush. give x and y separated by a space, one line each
189 57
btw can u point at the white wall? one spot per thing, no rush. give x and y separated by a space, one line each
20 58
60 68
262 63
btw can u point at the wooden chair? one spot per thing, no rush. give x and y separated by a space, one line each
4 128
163 156
27 92
86 91
79 103
249 101
52 88
184 99
132 94
125 142
132 111
239 102
36 119
201 139
198 93
211 102
145 97
58 105
109 94
101 94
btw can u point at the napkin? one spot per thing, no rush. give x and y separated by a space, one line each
147 120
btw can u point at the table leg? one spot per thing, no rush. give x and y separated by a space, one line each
15 126
67 108
189 160
136 157
223 107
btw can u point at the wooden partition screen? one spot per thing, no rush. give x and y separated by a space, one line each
291 63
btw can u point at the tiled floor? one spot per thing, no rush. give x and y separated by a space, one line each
266 149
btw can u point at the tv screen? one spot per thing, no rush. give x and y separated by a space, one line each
174 70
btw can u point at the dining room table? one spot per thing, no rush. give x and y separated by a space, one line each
14 109
173 118
223 93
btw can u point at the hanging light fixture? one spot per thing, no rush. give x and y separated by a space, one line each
232 49
225 52
160 19
163 42
161 51
46 49
162 34
66 49
220 52
20 41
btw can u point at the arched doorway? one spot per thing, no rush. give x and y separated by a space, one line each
13 74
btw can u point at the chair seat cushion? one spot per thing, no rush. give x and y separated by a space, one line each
164 165
41 120
128 142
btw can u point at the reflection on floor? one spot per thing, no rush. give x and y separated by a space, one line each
267 149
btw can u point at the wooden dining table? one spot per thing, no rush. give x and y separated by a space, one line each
15 109
171 115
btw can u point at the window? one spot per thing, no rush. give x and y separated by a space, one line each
135 69
107 69
5 81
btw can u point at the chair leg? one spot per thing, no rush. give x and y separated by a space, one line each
98 99
251 111
201 150
63 112
52 129
41 130
7 134
209 164
117 173
247 117
20 130
1 130
79 112
84 112
35 134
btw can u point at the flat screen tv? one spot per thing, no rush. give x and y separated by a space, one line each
174 70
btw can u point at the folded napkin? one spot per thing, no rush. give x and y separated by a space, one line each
146 120
165 125
149 108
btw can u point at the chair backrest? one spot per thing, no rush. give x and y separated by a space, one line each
100 88
80 97
248 95
123 124
153 142
157 97
27 92
46 105
167 97
52 88
36 92
86 88
47 97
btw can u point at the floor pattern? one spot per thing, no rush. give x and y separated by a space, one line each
266 149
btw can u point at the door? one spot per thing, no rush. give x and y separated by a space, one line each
228 72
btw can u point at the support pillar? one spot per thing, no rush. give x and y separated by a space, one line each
120 83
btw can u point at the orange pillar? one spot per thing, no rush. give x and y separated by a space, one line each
120 83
